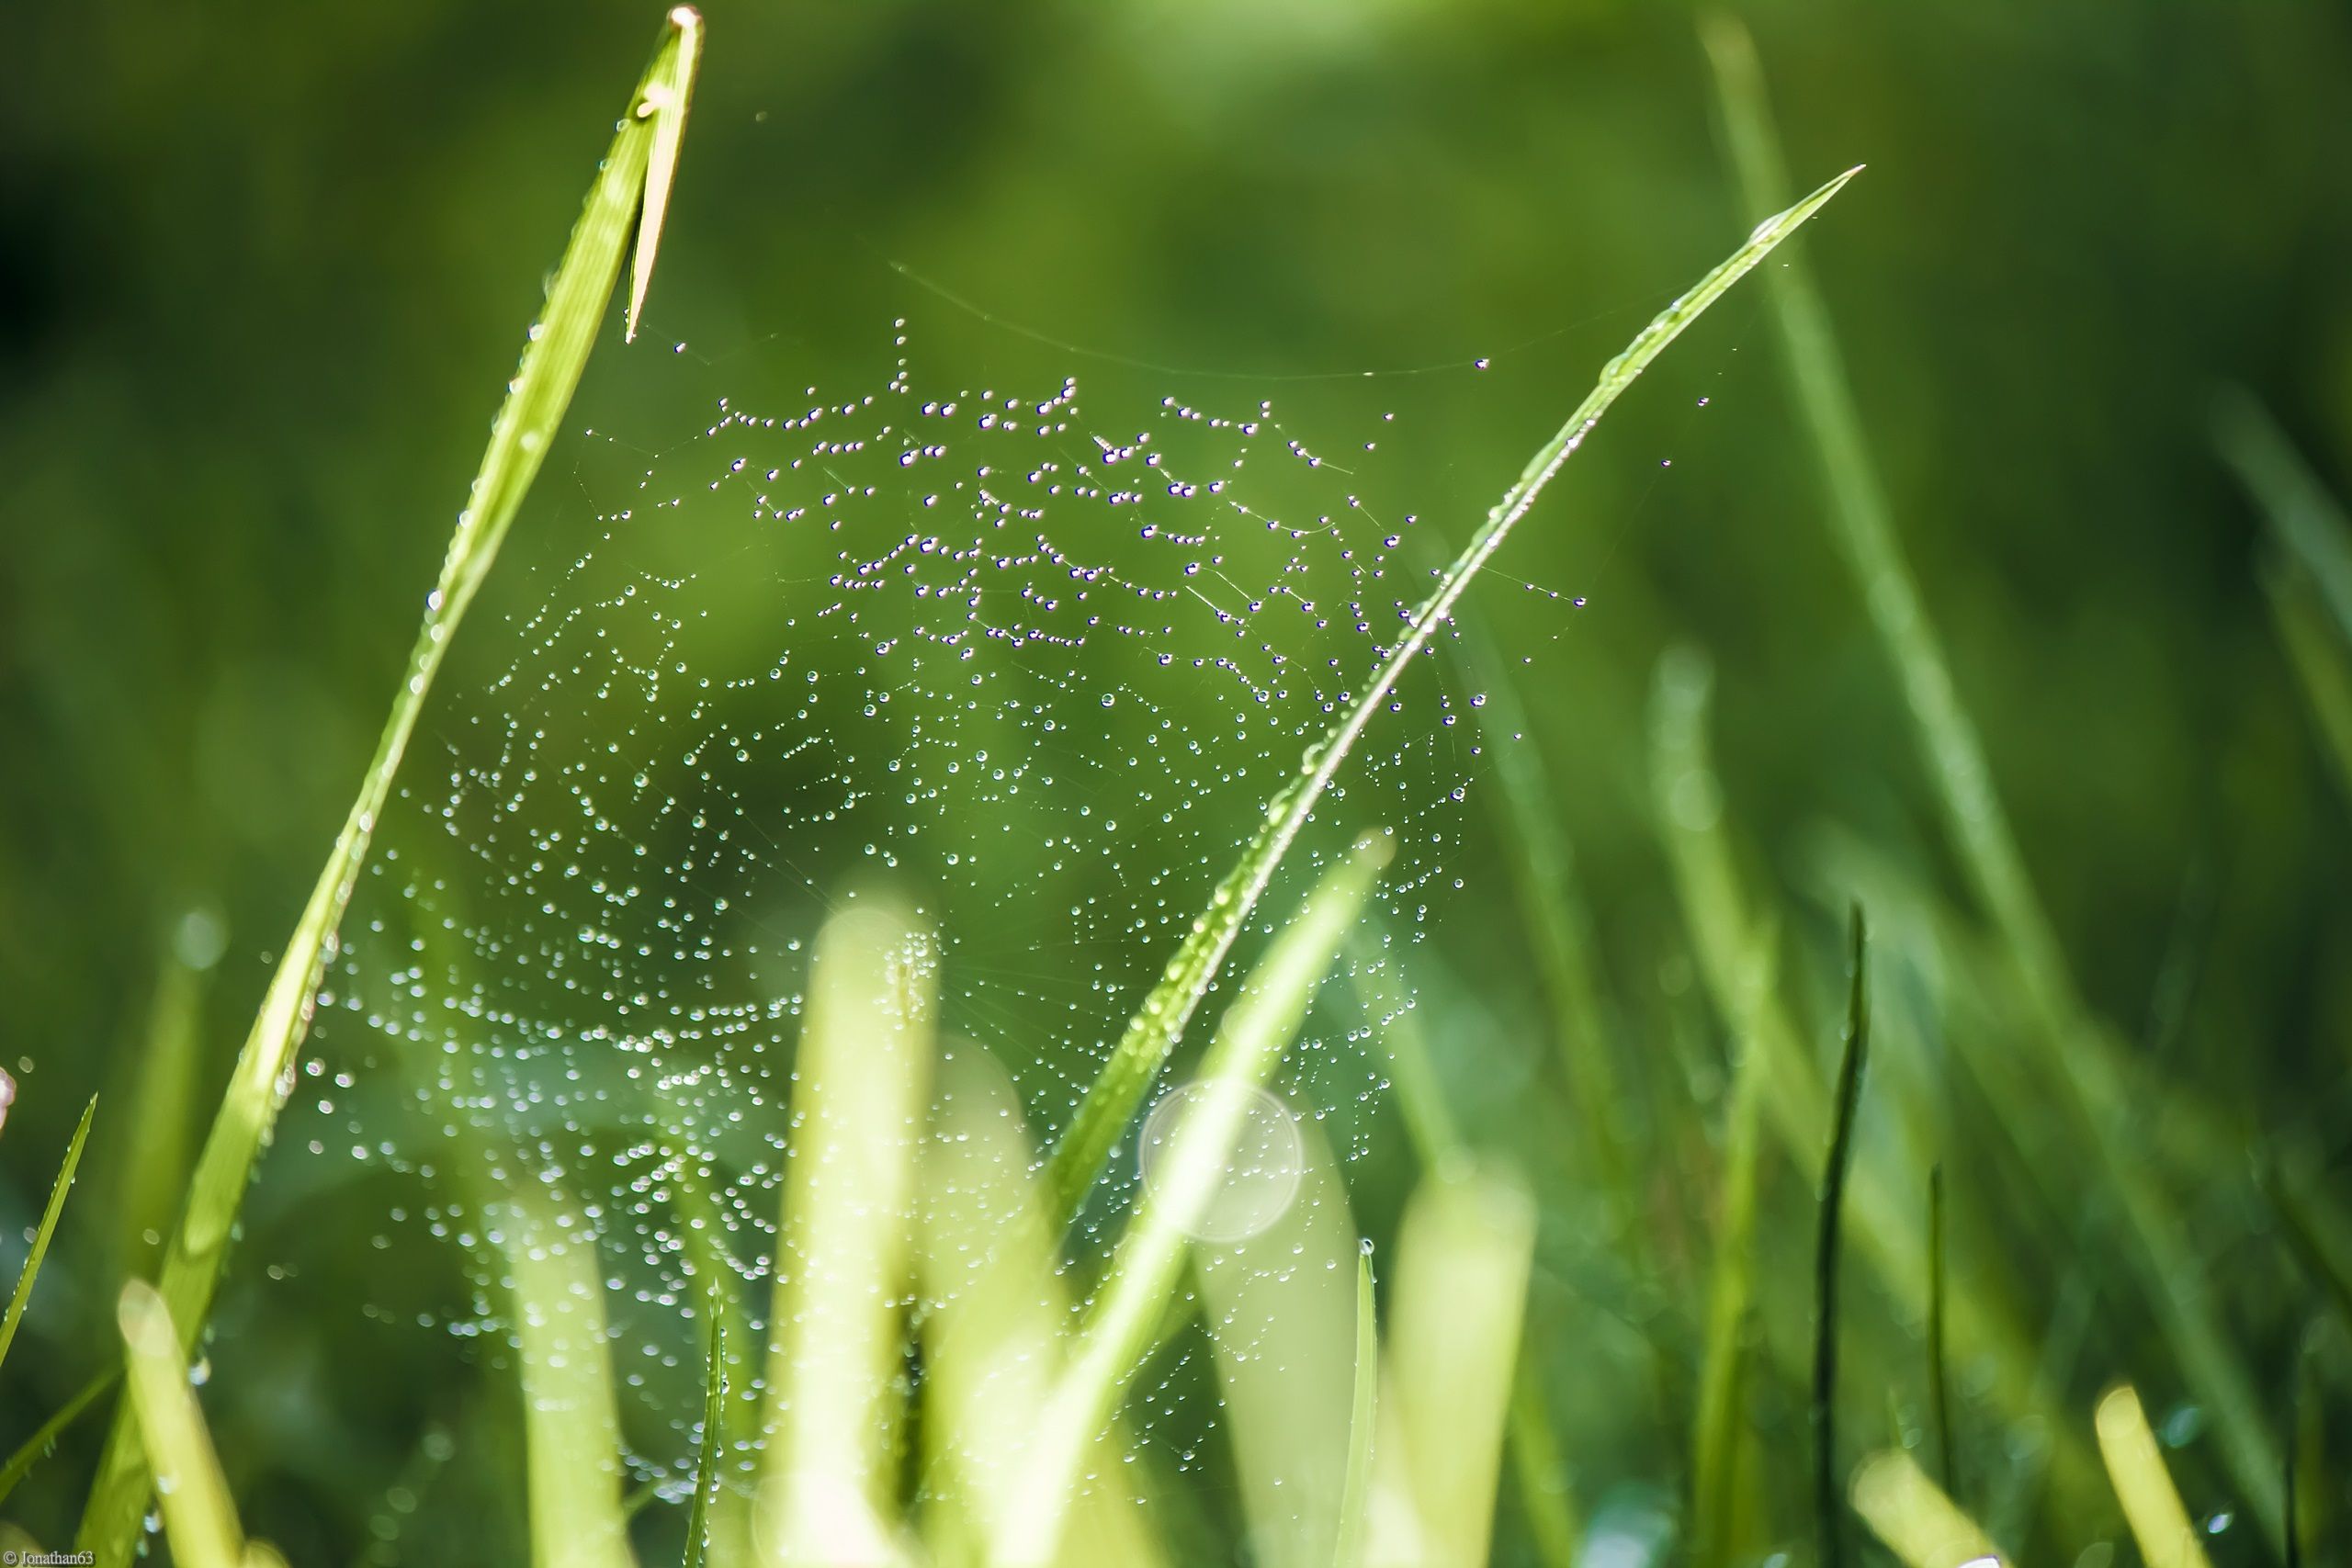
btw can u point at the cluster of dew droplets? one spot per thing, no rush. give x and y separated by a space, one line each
1036 658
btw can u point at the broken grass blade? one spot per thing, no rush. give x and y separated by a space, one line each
48 1227
554 354
1124 1319
1127 1077
2136 1467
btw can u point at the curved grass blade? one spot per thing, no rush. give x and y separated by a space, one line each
198 1515
38 1447
1116 1094
1355 1492
1826 1252
1124 1320
553 357
57 1191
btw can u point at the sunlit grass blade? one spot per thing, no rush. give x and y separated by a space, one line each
47 1228
1851 1061
1129 1305
1281 1310
862 1087
570 1425
1456 1302
1364 1415
2088 1071
555 353
1920 1524
43 1441
714 1414
1127 1077
2136 1467
198 1515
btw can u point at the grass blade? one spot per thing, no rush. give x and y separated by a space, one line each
1826 1250
1918 1523
198 1515
57 1191
2088 1068
1133 1299
1356 1494
555 353
1127 1077
714 1414
2309 525
1939 1390
570 1423
862 1085
37 1447
2136 1466
2322 662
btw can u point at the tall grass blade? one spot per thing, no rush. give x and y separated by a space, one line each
2136 1467
1363 1413
2087 1067
1127 1077
554 354
43 1441
1826 1255
47 1228
1454 1313
198 1515
570 1423
862 1087
1917 1521
1938 1390
1133 1299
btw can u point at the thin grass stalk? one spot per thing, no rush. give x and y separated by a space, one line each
1826 1250
43 1442
1123 1321
1116 1094
2087 1069
1939 1389
554 355
47 1228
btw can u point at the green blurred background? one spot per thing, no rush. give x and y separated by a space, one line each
266 268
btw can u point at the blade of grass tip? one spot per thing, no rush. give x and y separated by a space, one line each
571 1423
861 1089
1724 1361
1938 1390
2136 1468
554 354
1111 1103
198 1515
1439 1146
48 1227
1850 1064
2306 519
714 1414
1455 1312
1355 1491
43 1441
2090 1069
1135 1296
1918 1523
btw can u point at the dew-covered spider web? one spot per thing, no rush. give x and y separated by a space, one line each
1033 653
